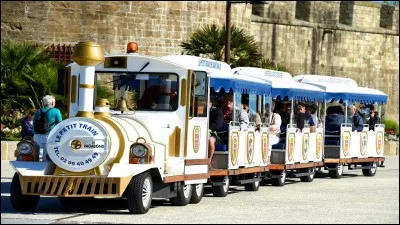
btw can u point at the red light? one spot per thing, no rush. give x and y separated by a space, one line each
132 47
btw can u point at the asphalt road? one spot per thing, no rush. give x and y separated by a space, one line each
351 199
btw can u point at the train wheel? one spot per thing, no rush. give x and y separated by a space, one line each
253 186
197 193
371 171
183 196
20 201
221 191
280 181
140 192
337 172
308 178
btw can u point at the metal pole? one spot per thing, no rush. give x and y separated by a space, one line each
228 33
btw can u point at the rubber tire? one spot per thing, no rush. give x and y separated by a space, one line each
220 191
196 198
180 199
279 181
135 191
19 201
335 174
370 172
253 186
308 178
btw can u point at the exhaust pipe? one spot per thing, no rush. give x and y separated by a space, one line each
87 55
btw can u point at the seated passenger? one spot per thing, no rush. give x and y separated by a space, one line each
302 118
334 118
215 123
355 118
275 125
240 114
373 118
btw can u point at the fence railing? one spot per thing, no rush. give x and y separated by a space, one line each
60 53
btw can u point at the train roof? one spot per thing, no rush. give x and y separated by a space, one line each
340 88
283 84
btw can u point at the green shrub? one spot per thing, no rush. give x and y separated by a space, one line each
391 127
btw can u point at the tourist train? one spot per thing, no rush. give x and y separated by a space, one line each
152 139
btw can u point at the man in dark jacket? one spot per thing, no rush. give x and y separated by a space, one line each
215 123
373 118
355 118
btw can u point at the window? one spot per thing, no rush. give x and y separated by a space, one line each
346 13
200 95
144 91
303 10
386 20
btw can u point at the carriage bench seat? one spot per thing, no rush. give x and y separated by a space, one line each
280 145
332 141
221 148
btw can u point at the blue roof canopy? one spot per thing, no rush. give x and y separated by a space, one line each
299 94
242 86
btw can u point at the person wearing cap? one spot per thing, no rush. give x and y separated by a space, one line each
54 117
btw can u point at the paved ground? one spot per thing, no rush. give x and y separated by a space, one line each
352 199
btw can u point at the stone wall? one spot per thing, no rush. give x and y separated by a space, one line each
158 26
343 39
359 40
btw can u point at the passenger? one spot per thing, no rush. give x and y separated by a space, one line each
302 118
373 118
284 112
275 125
334 118
27 124
312 110
215 123
355 118
241 115
54 117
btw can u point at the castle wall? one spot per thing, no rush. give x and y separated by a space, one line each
359 40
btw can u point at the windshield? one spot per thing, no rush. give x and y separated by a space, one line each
141 91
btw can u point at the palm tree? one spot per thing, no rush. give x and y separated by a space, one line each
209 42
27 73
270 64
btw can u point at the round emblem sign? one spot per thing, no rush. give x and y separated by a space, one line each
78 144
234 148
291 146
379 141
319 145
363 143
346 142
264 150
196 138
306 137
250 147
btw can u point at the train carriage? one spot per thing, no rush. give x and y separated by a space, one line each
356 149
299 151
243 158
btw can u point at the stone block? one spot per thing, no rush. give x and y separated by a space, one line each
7 149
391 148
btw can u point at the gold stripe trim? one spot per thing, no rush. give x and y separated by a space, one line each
119 134
73 88
91 86
187 114
68 90
183 92
85 114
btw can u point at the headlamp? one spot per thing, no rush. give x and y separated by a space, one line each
138 150
25 148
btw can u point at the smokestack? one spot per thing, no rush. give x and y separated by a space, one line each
87 55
